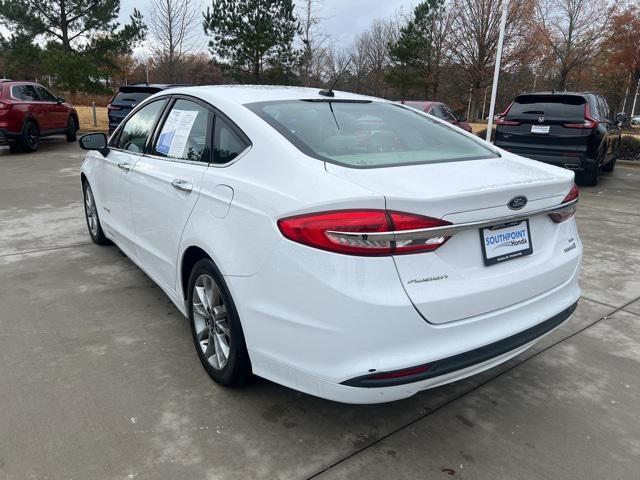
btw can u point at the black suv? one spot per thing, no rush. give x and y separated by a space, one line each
128 97
571 130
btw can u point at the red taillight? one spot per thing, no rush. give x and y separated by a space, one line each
333 231
573 194
112 107
589 121
501 121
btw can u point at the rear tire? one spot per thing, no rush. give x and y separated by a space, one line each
30 137
72 130
215 326
590 177
610 166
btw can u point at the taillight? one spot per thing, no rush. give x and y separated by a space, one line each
501 121
362 232
589 121
5 106
112 107
568 212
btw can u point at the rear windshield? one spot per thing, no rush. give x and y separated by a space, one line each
131 97
564 107
367 134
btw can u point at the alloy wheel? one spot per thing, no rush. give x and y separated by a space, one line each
90 211
211 321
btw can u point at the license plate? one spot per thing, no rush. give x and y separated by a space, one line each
539 128
506 242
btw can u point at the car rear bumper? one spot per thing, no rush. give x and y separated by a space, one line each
572 161
315 322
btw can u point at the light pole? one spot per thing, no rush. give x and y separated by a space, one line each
496 71
635 98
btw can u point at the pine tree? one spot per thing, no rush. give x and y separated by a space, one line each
251 35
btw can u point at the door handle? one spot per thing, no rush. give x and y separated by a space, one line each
183 185
124 166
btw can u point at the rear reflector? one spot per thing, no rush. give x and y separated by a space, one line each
407 372
573 194
353 232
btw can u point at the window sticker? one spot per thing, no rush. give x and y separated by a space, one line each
175 132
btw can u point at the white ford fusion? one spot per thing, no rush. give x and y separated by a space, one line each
341 245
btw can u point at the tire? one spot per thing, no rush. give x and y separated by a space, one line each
610 166
92 218
72 130
590 177
215 326
30 137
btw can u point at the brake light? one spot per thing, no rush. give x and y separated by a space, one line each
361 232
573 194
501 121
589 121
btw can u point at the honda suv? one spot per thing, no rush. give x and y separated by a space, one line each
571 130
28 112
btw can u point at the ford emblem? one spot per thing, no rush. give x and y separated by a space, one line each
516 203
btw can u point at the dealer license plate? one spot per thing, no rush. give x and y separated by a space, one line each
506 242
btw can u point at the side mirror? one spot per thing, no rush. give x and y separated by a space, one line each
59 100
94 141
462 118
621 118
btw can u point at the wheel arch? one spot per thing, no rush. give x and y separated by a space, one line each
32 119
190 257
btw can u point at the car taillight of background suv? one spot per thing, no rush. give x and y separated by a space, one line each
28 112
571 130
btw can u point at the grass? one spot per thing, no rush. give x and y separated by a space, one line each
85 114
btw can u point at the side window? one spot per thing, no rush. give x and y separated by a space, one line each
227 144
15 92
28 93
604 110
45 95
449 116
184 132
438 111
134 134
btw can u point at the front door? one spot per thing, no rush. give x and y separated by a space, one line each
165 186
56 112
126 149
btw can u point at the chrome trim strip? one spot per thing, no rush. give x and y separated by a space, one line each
449 230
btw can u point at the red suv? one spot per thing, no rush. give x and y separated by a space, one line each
28 111
440 110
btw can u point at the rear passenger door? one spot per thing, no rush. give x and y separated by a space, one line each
165 184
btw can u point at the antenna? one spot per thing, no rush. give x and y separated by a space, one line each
329 93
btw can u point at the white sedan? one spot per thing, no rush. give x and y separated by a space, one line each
341 245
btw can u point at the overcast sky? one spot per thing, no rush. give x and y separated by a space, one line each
343 19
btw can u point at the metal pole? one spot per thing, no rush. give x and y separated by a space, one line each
535 80
95 118
626 94
635 98
484 102
469 106
496 71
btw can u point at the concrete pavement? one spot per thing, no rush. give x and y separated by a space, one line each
99 379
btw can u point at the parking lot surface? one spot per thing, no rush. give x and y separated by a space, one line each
100 380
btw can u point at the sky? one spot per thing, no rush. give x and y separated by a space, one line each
342 19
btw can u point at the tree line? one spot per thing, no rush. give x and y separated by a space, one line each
440 49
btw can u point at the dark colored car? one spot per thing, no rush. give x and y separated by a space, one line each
28 112
128 97
440 110
572 130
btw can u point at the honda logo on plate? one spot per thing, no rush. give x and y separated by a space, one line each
517 203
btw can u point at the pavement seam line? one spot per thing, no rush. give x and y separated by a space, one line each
50 249
477 387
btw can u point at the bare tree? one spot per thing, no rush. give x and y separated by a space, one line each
574 30
475 32
174 25
315 42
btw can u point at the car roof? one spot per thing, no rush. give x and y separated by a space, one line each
569 94
422 104
244 94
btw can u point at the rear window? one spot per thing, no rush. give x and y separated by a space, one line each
564 107
367 134
130 98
